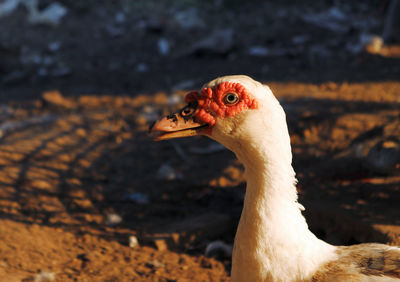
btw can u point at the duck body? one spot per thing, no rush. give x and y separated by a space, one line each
273 241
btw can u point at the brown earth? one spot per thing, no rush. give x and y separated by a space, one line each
74 161
80 179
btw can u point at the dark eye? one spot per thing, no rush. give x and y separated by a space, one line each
231 98
187 111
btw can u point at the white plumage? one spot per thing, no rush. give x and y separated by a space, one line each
273 242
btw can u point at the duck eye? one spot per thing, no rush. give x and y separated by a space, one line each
231 98
187 111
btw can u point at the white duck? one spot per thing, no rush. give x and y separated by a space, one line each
273 242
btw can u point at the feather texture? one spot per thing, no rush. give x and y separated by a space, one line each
273 242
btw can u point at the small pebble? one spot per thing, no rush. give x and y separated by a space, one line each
44 276
113 219
167 172
218 249
133 242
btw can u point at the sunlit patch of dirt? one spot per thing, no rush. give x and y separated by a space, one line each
78 183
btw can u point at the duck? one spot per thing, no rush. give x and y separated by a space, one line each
272 241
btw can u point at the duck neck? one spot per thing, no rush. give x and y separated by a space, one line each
273 241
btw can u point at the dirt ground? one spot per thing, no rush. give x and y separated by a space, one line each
80 179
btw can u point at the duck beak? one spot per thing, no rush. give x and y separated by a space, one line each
180 124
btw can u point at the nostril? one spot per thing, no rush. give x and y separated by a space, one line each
173 117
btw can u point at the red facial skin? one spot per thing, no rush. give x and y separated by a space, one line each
211 102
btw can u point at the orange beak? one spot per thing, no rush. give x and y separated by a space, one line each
180 124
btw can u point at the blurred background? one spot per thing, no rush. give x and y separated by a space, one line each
129 47
86 195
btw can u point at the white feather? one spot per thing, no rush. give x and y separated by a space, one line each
273 242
